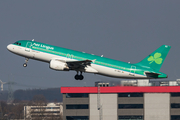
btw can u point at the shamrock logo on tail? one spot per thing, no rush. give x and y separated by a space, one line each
157 58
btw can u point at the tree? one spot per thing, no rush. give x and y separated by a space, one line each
3 109
39 100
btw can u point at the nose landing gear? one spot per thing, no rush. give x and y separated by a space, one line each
79 77
26 61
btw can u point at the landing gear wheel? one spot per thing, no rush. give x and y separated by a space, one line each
81 77
24 65
76 77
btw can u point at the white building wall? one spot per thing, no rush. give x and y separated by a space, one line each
156 106
41 109
109 106
143 82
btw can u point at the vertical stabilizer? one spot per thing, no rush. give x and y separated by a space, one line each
155 59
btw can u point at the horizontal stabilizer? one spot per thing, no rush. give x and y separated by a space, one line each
153 75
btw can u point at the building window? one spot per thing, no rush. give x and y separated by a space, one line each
40 111
130 94
175 94
77 117
175 105
52 107
175 117
77 95
45 108
45 116
130 117
76 106
130 106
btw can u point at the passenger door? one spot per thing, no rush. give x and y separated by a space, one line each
28 47
28 50
132 70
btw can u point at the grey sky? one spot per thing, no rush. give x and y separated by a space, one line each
118 29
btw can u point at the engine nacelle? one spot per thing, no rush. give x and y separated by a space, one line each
58 65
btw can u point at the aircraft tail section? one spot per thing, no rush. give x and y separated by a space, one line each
155 59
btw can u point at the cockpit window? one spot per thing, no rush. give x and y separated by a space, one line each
17 43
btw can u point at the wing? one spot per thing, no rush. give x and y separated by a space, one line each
84 66
78 64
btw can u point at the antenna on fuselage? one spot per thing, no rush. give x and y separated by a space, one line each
32 39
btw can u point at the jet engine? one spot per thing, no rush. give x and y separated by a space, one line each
58 65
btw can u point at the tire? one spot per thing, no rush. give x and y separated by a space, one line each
24 65
76 77
81 77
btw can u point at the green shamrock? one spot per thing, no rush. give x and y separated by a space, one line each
156 58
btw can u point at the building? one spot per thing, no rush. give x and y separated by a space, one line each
121 103
51 111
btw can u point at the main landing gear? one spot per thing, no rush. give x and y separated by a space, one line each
26 61
79 77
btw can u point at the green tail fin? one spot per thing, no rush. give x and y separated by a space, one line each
155 59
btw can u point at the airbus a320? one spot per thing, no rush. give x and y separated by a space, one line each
62 59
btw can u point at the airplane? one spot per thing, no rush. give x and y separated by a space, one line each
63 59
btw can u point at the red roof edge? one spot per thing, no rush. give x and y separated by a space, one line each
122 89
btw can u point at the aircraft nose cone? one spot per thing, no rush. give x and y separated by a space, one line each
9 47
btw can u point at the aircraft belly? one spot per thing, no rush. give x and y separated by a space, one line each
43 56
106 71
97 69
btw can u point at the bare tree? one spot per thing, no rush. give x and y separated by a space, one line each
38 111
39 100
17 111
3 109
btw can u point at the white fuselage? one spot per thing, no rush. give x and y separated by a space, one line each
47 57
